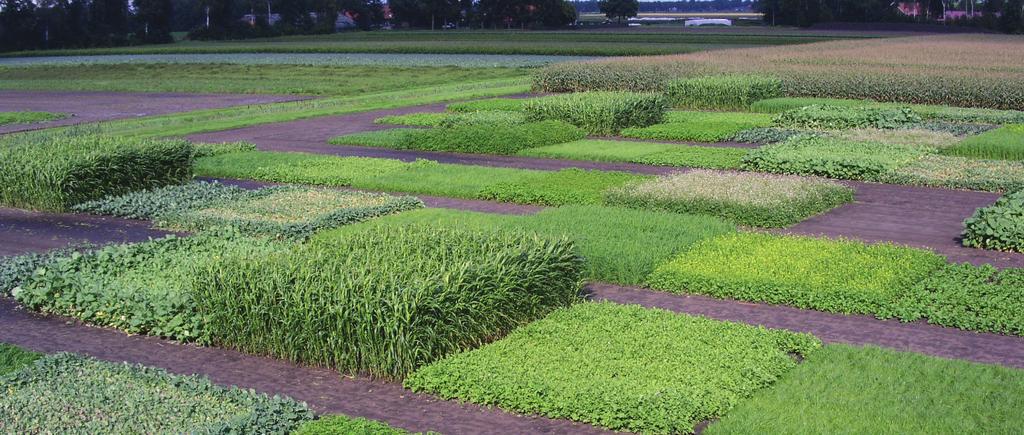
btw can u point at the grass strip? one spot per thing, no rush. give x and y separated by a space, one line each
648 153
29 117
1006 143
13 358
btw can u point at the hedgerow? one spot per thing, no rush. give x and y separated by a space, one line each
839 118
53 171
854 389
13 358
960 173
832 157
151 203
728 92
999 226
599 113
1006 143
758 200
621 367
699 126
969 297
138 288
498 138
345 425
386 301
827 275
288 212
620 245
66 393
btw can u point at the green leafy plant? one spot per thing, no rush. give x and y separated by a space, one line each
151 203
699 126
999 226
564 187
600 113
343 425
748 199
386 301
497 138
827 275
66 393
839 118
622 367
723 92
969 297
648 153
833 158
960 173
15 269
54 171
765 135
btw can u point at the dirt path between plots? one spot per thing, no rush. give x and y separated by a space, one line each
325 390
25 231
103 106
832 328
914 216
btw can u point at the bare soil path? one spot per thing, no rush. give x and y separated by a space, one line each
103 106
324 390
24 231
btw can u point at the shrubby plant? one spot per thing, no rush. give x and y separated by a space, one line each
999 226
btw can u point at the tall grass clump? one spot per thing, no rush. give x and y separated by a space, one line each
602 113
603 76
54 171
731 92
1006 143
387 301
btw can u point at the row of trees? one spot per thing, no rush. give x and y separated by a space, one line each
1003 15
25 24
483 13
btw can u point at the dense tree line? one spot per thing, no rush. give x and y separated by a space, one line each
1003 15
25 24
593 6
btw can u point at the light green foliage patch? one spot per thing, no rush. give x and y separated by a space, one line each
826 275
722 92
564 187
66 393
699 126
443 119
648 153
833 158
1006 143
961 173
493 138
489 104
845 389
396 138
748 199
840 118
385 301
999 226
620 245
970 297
621 367
599 113
53 171
29 117
138 288
345 425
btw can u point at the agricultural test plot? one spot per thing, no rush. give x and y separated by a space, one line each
662 247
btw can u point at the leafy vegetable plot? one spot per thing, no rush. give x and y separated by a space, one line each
621 367
999 226
833 158
970 297
65 393
748 199
839 118
820 274
345 425
699 126
961 173
845 389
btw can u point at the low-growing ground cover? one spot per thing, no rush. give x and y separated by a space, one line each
152 203
343 424
621 367
699 126
569 186
620 245
916 137
960 173
599 113
388 300
1006 143
833 158
748 199
722 92
999 226
820 274
489 104
845 389
927 111
54 171
29 117
248 79
648 153
970 297
13 358
451 119
493 138
66 393
840 118
766 135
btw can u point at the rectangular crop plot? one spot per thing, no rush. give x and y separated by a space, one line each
66 393
821 274
749 199
622 367
700 126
